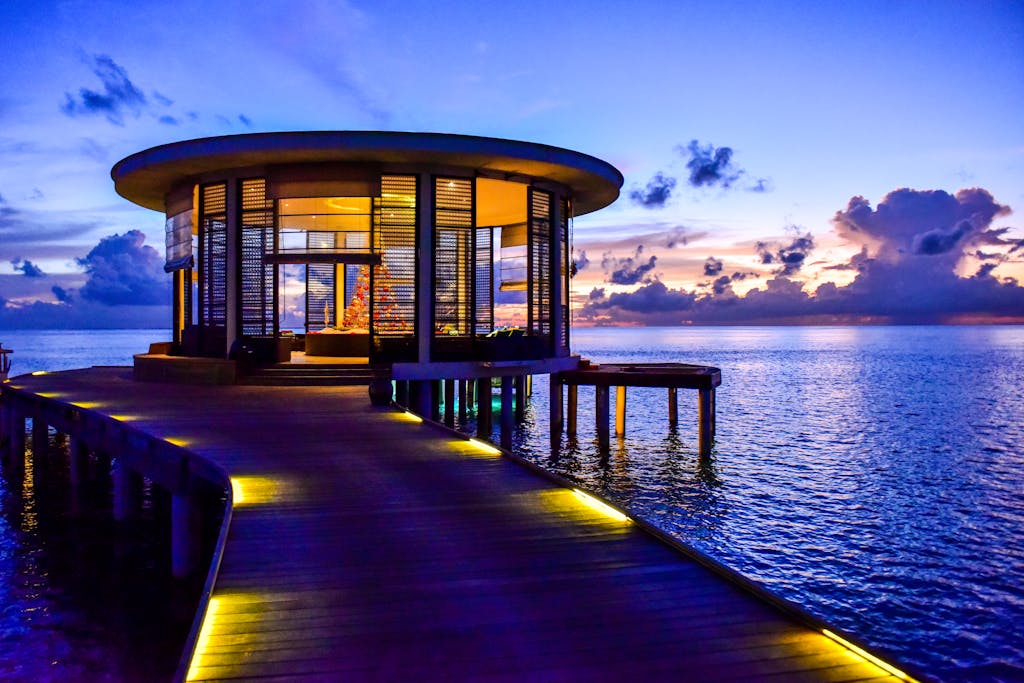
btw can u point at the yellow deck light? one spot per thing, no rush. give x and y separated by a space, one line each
485 447
203 642
864 654
37 373
597 505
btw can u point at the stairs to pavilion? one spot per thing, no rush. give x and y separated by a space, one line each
286 374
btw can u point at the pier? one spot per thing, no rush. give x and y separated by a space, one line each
364 543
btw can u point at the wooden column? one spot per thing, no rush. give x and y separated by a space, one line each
601 415
484 425
714 413
520 381
463 412
673 407
620 410
422 394
507 415
572 392
449 402
185 534
705 420
127 490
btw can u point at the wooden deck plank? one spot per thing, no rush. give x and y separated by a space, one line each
388 550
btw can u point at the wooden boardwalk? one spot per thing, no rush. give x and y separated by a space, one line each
364 546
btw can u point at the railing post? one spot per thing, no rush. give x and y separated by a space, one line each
449 402
673 407
463 409
520 381
601 415
507 415
484 425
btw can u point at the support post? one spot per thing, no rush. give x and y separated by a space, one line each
570 410
507 416
185 534
127 490
714 413
449 402
673 407
16 438
78 454
463 412
601 415
484 425
556 418
705 421
520 382
40 441
620 410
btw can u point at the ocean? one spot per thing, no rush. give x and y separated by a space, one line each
872 475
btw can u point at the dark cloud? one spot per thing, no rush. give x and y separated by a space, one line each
246 121
710 166
656 194
27 268
168 120
936 242
677 237
18 227
64 296
118 96
579 262
761 185
122 270
790 257
713 266
629 270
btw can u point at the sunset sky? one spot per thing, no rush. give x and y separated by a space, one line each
783 162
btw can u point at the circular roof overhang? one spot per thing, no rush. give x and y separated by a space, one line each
146 177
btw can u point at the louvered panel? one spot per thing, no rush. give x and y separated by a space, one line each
258 305
539 264
563 277
453 256
394 280
213 256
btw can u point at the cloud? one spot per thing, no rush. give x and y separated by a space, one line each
656 194
27 268
168 120
117 97
713 266
246 121
63 295
790 256
709 166
580 261
906 272
122 270
628 270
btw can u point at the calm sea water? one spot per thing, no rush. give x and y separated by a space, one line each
873 475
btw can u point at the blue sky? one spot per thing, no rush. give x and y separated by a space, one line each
849 130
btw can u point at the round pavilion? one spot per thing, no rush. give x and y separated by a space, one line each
407 242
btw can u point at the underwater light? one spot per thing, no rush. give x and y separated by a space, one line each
597 505
864 654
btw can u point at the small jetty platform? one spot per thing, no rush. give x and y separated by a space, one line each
362 543
672 376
